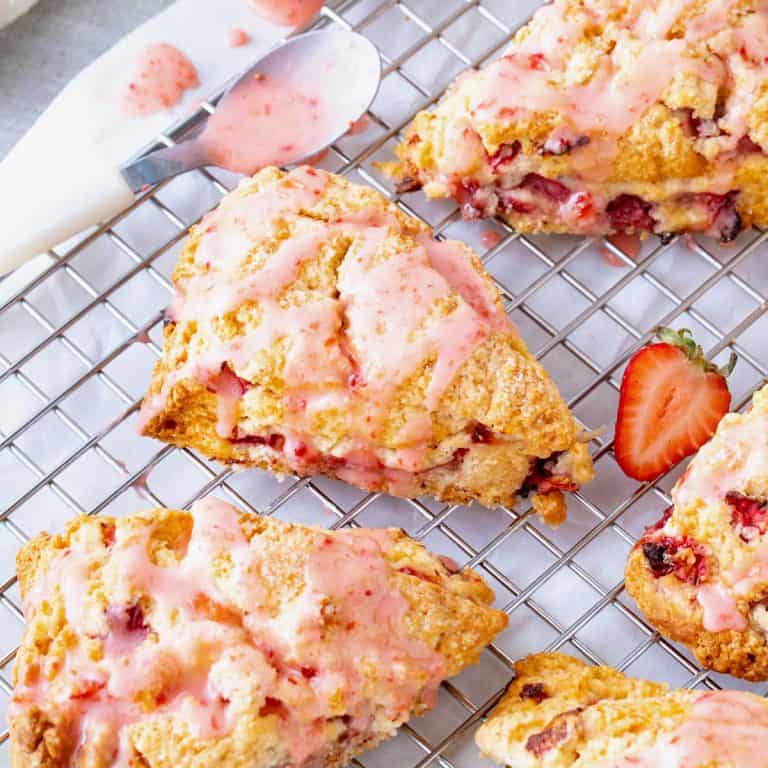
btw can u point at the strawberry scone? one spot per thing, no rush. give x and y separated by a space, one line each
605 116
701 573
317 329
562 713
175 639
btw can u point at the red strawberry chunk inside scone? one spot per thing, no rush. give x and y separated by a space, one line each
748 516
268 643
648 112
317 329
682 556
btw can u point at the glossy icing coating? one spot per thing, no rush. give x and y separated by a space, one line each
331 333
163 74
606 116
702 572
174 621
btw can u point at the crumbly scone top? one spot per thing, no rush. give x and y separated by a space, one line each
329 324
562 713
714 540
180 628
585 73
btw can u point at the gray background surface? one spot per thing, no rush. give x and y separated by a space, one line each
43 50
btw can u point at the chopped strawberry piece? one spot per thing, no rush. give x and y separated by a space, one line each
629 212
545 187
135 619
582 205
504 155
88 689
680 555
537 61
542 479
671 401
748 146
250 440
509 202
481 434
108 534
562 143
228 382
534 691
308 672
749 516
408 184
275 707
356 380
539 743
417 573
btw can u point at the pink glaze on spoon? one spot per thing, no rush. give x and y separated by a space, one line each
289 13
163 74
267 121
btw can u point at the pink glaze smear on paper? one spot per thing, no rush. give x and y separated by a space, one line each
289 13
238 38
163 73
266 121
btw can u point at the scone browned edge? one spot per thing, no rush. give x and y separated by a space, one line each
501 426
449 612
559 711
708 542
661 172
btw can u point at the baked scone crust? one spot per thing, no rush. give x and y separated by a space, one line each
316 328
562 713
700 575
606 116
192 639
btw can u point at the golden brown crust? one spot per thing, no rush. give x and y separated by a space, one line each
704 530
562 713
499 386
675 148
448 613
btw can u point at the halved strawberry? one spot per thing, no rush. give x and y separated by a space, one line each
671 402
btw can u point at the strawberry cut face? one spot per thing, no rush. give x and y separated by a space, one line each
749 516
679 555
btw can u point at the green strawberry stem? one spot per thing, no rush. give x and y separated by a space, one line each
684 341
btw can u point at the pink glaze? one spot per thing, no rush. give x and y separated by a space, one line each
736 454
720 612
631 245
386 305
626 82
218 651
359 126
236 38
163 74
289 13
725 728
490 238
266 121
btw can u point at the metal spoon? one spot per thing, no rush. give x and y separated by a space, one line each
347 89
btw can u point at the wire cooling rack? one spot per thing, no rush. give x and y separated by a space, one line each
77 344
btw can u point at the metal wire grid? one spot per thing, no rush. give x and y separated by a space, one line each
583 318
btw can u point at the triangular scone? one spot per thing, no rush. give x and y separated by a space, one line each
561 713
317 329
606 116
701 573
208 638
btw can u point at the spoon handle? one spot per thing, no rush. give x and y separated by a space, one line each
50 210
163 164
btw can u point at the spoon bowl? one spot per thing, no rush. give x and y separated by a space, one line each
332 71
